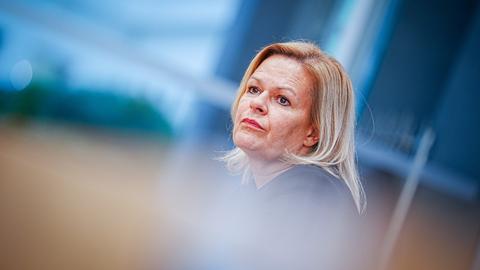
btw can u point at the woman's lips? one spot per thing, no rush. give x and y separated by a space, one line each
252 123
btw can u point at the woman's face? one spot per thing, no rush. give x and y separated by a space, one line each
273 114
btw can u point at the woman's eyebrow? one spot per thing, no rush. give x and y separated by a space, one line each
255 78
288 89
279 87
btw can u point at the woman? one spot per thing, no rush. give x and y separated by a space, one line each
294 134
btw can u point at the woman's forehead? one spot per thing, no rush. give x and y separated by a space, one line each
282 72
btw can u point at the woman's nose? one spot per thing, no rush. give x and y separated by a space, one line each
259 103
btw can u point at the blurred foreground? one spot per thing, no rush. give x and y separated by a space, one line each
70 201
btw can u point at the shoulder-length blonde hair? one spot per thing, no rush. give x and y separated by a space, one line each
333 115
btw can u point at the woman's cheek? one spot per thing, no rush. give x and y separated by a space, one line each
280 132
289 130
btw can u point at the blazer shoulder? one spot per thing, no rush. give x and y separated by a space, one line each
309 178
312 184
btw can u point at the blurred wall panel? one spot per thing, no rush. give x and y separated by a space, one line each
261 22
457 114
423 48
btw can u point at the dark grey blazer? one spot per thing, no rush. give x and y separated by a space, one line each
305 218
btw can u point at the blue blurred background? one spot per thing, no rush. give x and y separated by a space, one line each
143 89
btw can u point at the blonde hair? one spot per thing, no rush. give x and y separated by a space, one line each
333 115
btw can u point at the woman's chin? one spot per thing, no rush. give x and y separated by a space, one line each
246 142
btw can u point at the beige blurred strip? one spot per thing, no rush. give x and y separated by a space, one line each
71 199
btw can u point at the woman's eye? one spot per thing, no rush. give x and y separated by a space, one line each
283 101
253 90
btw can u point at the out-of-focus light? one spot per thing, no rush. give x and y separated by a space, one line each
21 75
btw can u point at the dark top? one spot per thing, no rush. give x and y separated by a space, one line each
304 218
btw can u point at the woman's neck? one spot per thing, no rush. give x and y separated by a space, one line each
265 171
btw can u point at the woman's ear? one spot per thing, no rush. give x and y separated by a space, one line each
312 137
